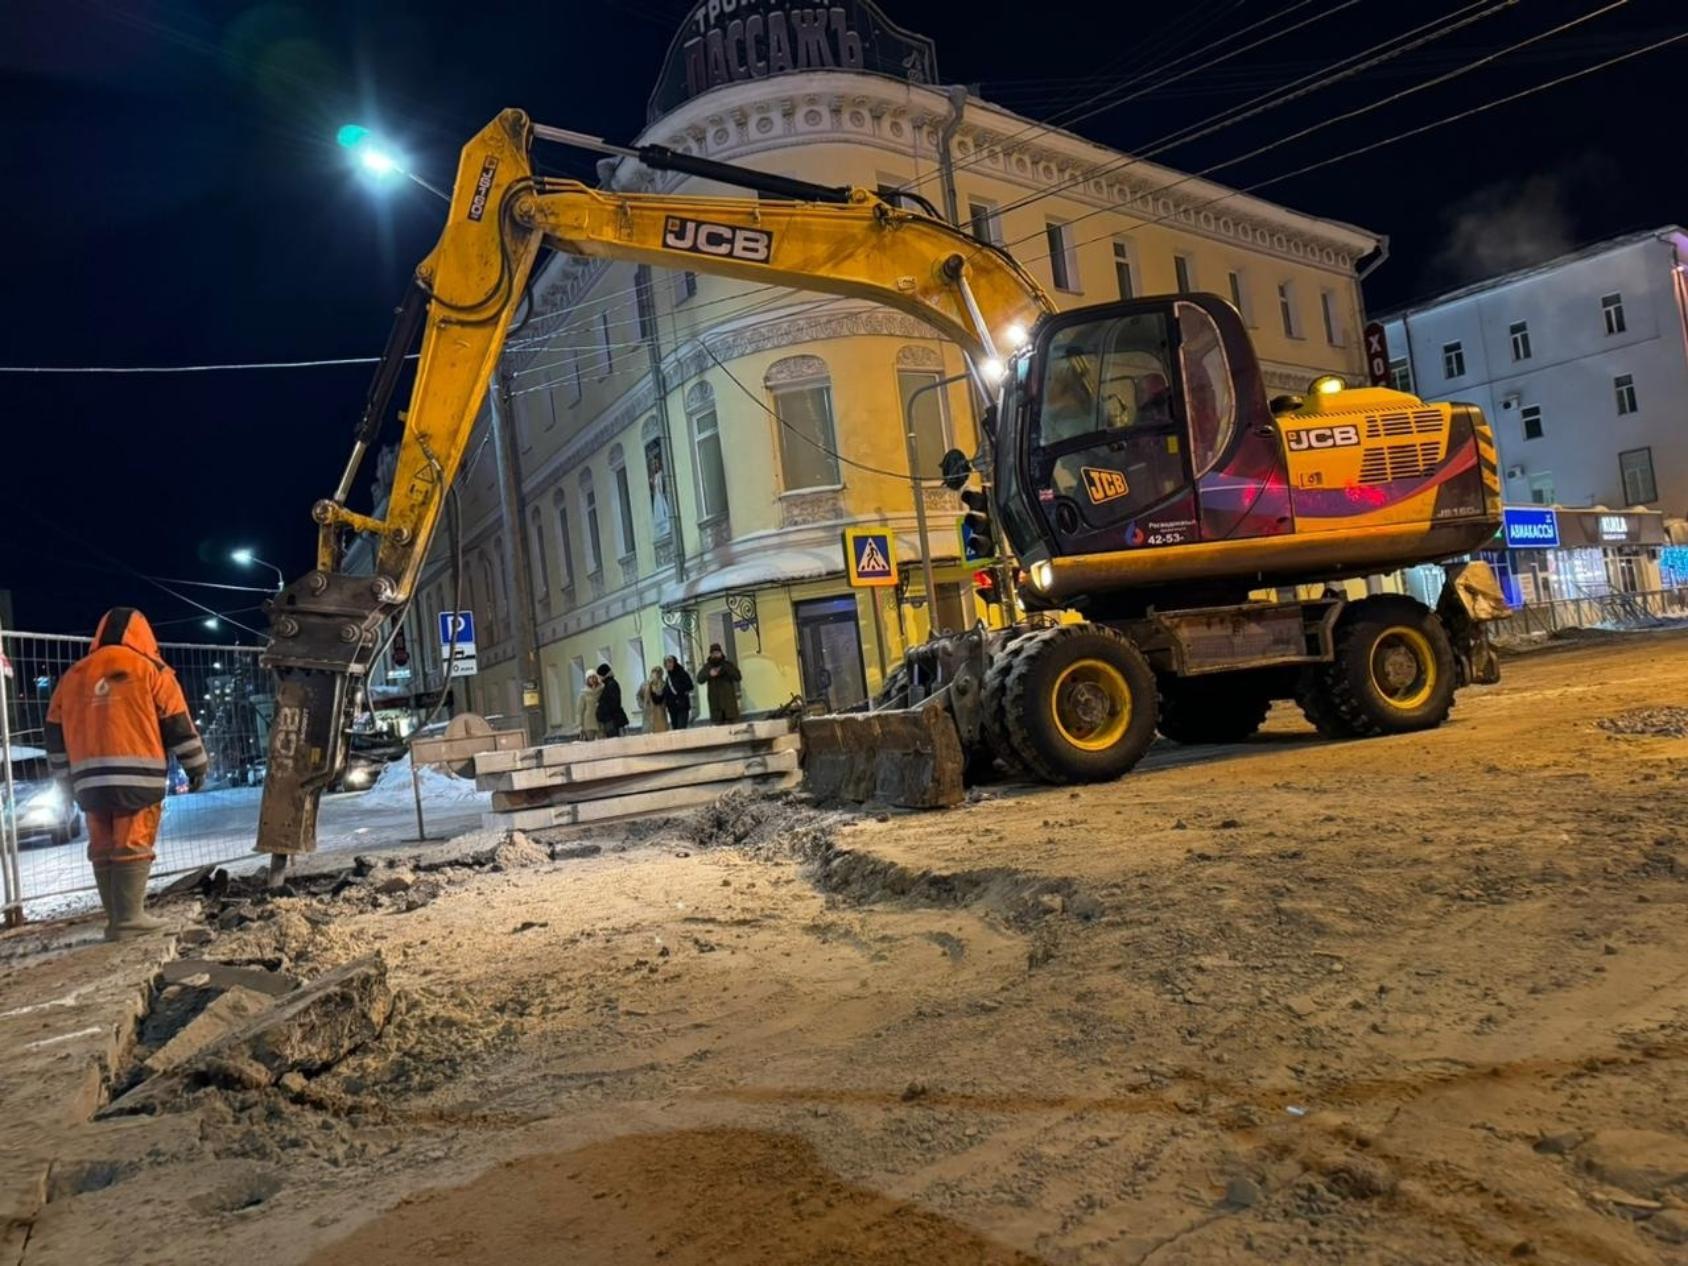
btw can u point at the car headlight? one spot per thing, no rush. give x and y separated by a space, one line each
1043 575
358 777
47 803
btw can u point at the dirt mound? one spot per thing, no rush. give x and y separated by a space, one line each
768 828
1647 723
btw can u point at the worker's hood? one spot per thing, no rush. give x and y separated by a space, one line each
125 626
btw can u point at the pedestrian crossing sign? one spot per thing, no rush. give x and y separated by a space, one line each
870 557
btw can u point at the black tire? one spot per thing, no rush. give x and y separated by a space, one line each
995 702
1223 708
896 683
1393 672
1073 685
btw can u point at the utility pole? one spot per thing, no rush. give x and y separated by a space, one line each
518 579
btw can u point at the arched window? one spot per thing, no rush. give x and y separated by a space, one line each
706 443
594 536
565 544
801 389
624 539
656 480
539 563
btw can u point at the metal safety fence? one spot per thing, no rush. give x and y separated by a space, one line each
1616 611
44 837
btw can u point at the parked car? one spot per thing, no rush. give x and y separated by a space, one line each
367 754
44 808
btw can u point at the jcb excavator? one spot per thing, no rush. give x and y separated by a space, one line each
1139 477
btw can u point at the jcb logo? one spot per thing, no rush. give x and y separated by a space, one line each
1103 485
1322 437
701 237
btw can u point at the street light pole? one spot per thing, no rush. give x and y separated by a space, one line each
920 498
246 558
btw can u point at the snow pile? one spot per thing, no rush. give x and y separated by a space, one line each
392 788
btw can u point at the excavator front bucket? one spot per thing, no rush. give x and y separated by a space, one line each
910 757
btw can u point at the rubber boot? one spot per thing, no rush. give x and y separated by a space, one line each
102 881
128 901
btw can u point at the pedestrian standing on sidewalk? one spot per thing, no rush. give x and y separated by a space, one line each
653 701
117 717
586 707
612 718
722 677
680 689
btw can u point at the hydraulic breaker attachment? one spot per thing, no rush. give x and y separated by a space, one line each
909 757
325 630
1471 596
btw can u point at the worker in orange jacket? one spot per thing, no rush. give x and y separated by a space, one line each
116 719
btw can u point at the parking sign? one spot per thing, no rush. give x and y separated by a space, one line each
462 654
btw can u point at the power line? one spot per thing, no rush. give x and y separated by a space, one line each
1328 76
1398 136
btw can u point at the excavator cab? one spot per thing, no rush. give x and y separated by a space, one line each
1138 426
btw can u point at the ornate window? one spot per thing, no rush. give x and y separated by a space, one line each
802 391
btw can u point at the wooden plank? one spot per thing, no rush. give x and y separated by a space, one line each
625 766
687 776
632 745
645 804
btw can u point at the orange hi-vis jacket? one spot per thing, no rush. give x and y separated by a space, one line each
117 716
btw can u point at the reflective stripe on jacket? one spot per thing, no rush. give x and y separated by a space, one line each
117 717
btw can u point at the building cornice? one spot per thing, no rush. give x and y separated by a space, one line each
739 121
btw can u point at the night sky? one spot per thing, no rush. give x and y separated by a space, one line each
176 197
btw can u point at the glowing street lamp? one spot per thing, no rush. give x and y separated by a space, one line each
377 159
246 558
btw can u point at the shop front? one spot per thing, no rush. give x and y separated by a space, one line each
1560 553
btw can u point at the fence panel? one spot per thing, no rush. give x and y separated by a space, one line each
46 838
1609 611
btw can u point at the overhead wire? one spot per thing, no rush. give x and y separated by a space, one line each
1325 77
1406 134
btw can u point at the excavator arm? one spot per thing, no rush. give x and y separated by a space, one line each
326 628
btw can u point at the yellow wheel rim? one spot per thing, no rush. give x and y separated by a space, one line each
1403 667
1091 705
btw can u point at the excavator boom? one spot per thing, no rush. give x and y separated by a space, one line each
327 626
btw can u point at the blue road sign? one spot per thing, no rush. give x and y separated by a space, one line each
870 556
1529 527
465 627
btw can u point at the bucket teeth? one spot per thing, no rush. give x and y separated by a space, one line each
910 757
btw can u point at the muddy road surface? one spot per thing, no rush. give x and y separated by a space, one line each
1413 1000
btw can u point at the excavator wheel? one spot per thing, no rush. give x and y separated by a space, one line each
1080 703
1223 708
1000 747
1393 672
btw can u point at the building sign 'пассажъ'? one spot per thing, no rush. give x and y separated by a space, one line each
726 41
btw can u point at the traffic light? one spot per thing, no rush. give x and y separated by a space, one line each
975 527
984 588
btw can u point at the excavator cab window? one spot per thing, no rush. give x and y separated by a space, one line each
1109 438
1135 425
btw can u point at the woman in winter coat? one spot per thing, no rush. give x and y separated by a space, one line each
680 688
653 702
612 719
586 709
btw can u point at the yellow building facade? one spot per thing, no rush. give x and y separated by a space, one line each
686 452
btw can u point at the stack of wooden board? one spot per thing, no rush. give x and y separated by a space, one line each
567 784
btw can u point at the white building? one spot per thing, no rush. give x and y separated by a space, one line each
1581 365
